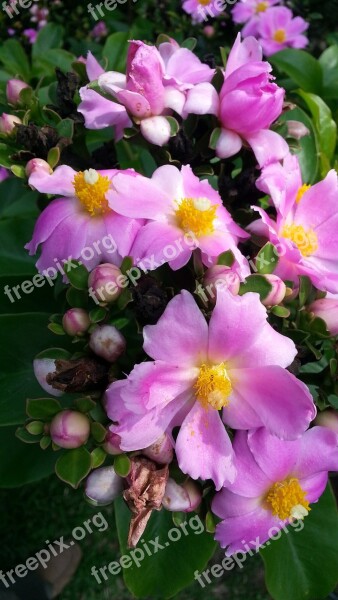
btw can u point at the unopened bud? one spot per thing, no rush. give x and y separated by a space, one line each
41 367
70 429
112 443
209 31
106 281
297 130
277 294
106 341
13 89
160 451
181 498
38 164
8 122
223 277
75 321
103 486
329 419
327 309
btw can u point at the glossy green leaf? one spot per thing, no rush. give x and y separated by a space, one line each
115 51
49 37
267 259
43 408
73 466
303 68
325 127
329 64
258 284
15 59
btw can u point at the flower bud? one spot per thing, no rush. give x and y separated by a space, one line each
297 130
105 282
327 309
43 366
277 294
160 451
106 341
329 419
103 486
8 122
209 31
181 498
38 164
221 276
13 89
70 429
75 321
112 443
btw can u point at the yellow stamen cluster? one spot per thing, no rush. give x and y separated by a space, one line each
287 500
196 215
91 188
204 2
213 386
305 240
279 36
262 7
301 192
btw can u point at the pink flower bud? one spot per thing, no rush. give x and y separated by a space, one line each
70 429
13 89
327 309
8 122
329 419
221 276
297 130
277 294
105 282
43 366
160 451
112 443
209 31
181 498
75 321
38 164
106 341
103 486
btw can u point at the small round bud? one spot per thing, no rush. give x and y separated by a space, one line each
8 122
277 294
103 486
112 443
209 31
105 282
41 367
327 309
70 429
181 498
297 130
13 89
223 277
38 164
75 321
329 419
160 451
106 341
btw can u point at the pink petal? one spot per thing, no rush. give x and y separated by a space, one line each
59 182
276 458
239 533
202 99
228 144
318 452
93 67
268 146
156 130
139 197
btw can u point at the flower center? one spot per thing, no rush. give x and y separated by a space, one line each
196 215
279 36
213 386
287 500
262 7
301 192
305 240
91 188
204 2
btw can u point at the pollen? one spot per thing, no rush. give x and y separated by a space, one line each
279 36
262 7
91 188
287 500
305 240
204 2
196 215
301 192
213 386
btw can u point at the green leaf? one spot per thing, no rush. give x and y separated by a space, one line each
98 432
303 68
73 466
78 276
226 258
214 138
325 127
14 58
43 408
189 43
329 63
258 284
305 289
22 463
267 259
35 427
85 404
171 568
53 157
122 465
307 147
304 564
49 37
66 128
14 233
25 436
98 456
281 311
115 51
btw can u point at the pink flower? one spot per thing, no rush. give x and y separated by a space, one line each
182 212
81 223
305 231
99 31
276 483
236 363
4 174
327 309
30 34
154 86
202 10
250 12
247 105
278 29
